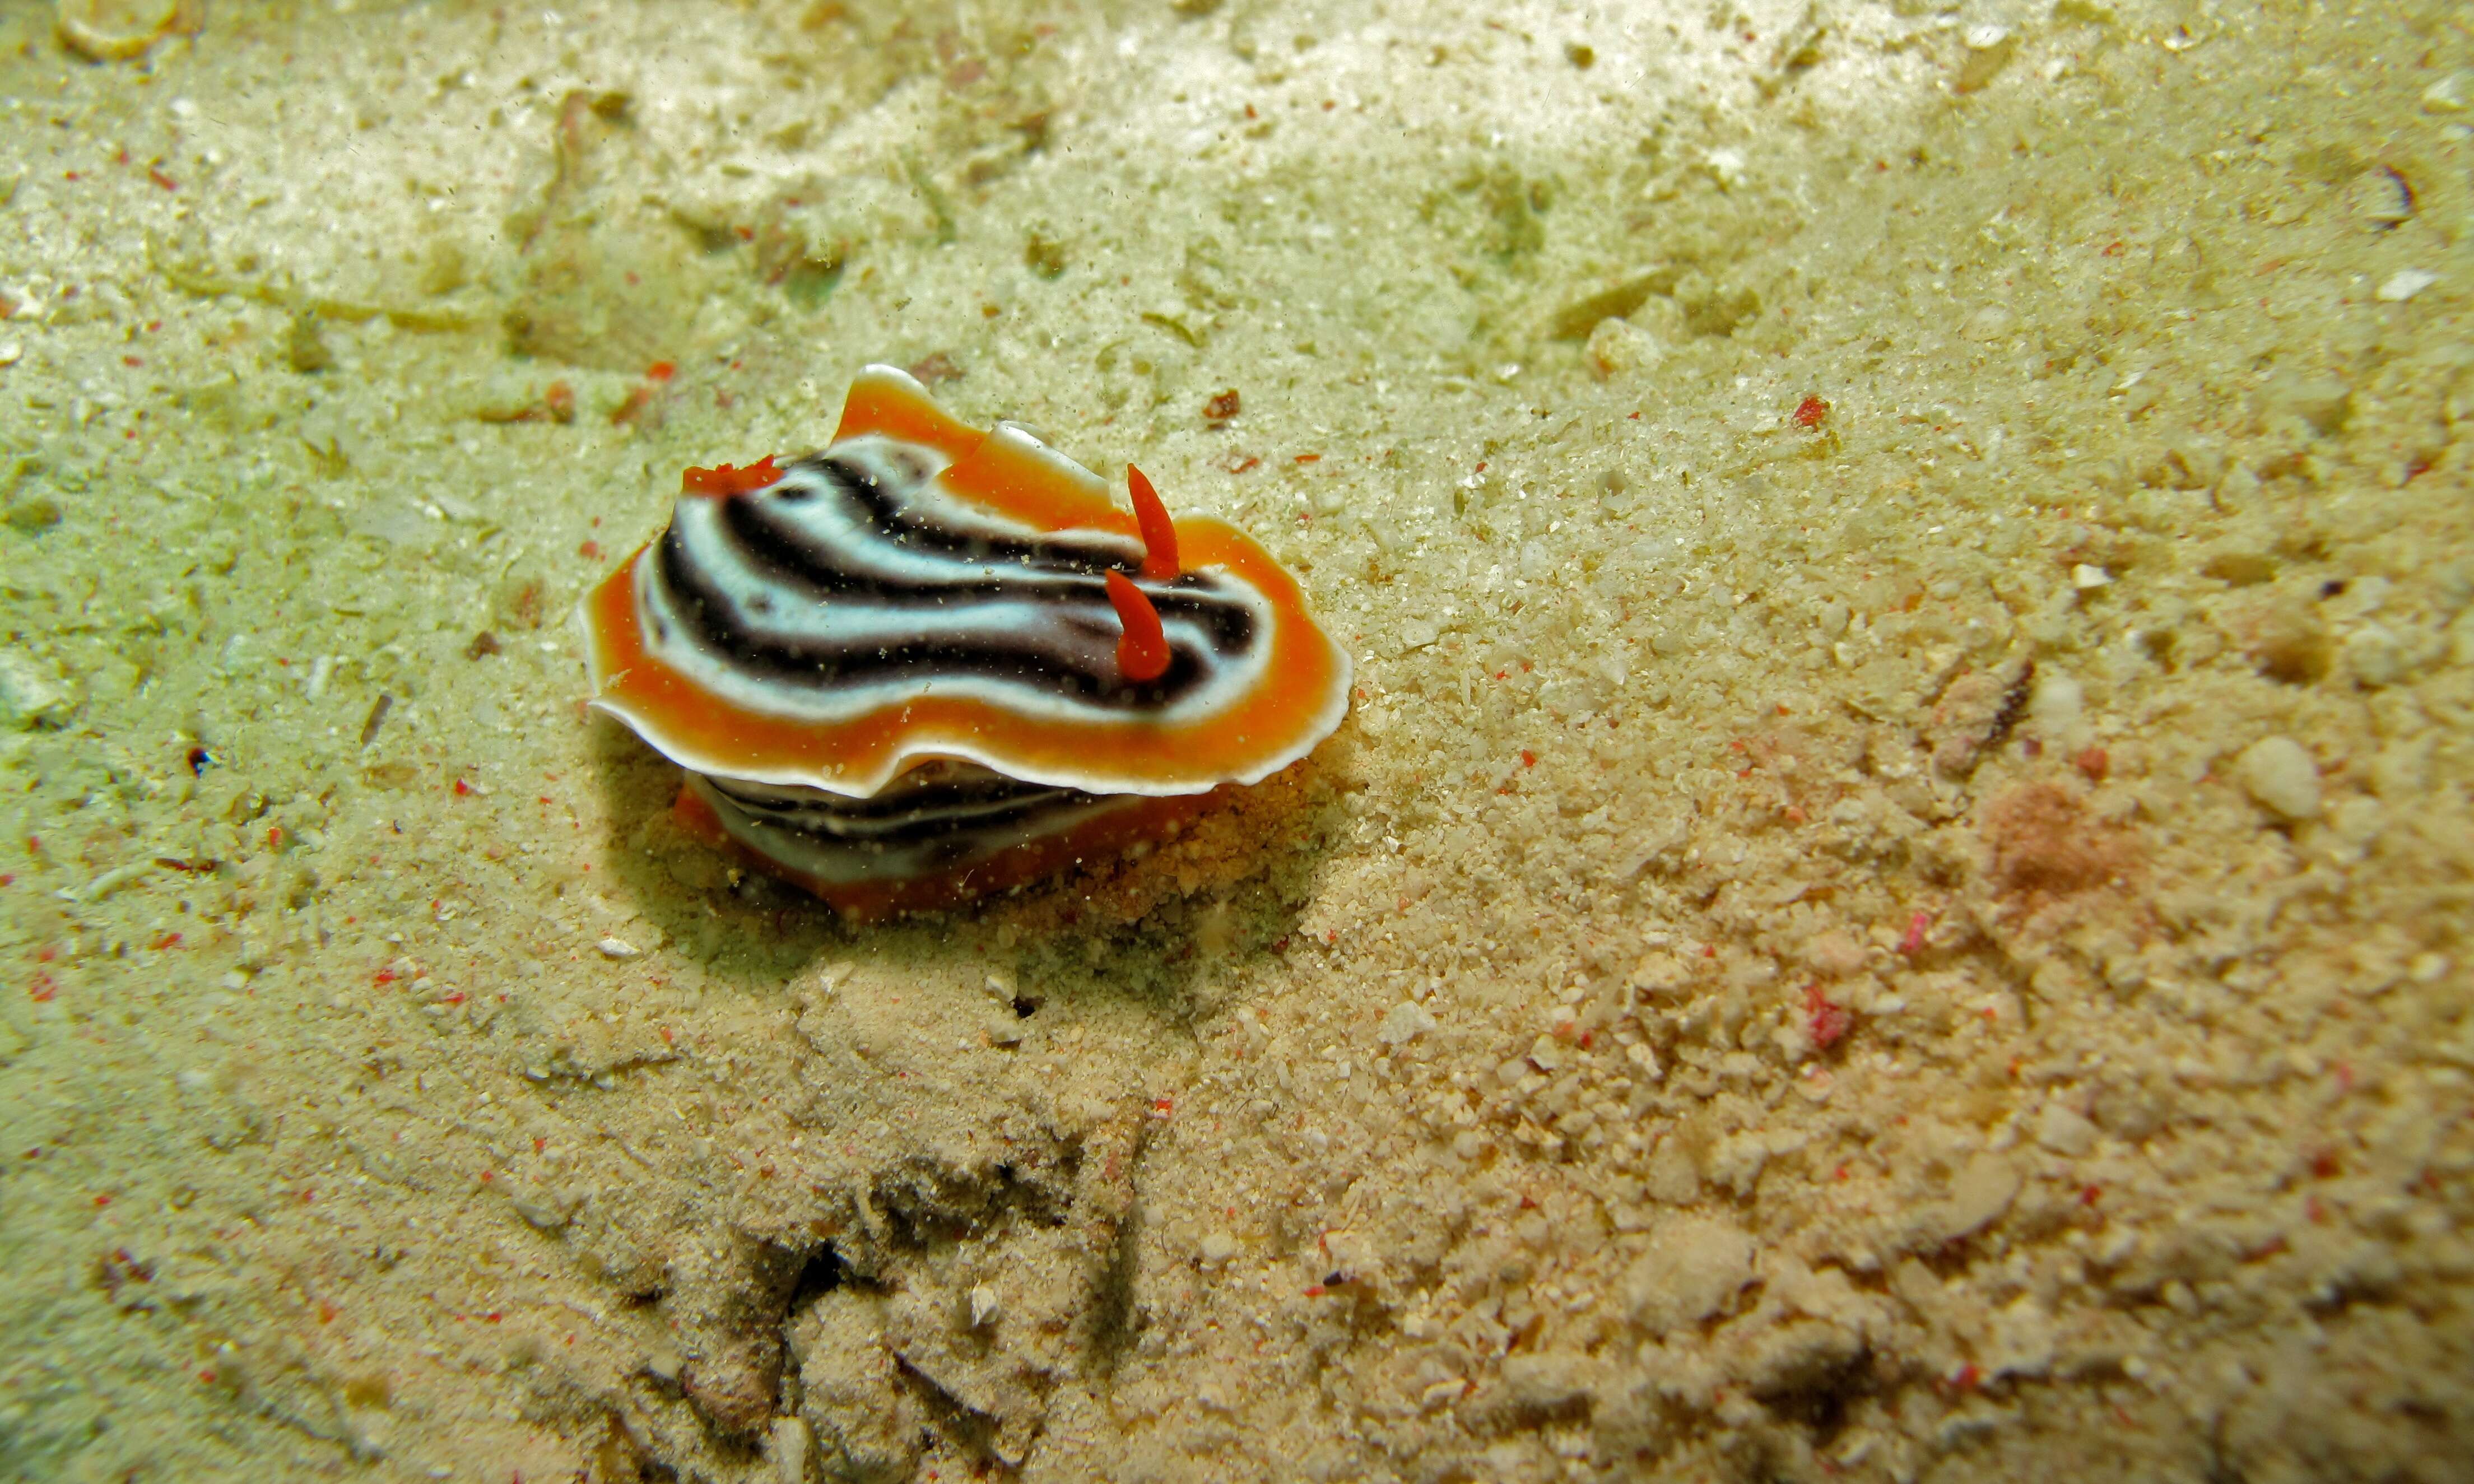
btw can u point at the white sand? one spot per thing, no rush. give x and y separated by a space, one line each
1931 945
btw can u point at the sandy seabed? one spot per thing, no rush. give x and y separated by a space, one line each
1894 904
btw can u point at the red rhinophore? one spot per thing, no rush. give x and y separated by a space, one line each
1913 941
725 480
1142 654
1159 537
660 371
1809 412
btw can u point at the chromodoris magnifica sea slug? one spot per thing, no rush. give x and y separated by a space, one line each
932 662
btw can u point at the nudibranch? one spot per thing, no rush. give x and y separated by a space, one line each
932 662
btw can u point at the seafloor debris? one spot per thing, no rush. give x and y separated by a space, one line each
2046 844
187 265
117 30
32 693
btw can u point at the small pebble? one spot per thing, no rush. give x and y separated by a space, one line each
1989 50
1405 1022
617 948
118 29
1993 322
31 693
1219 1246
1618 345
1978 1194
2087 579
984 1306
2057 707
2406 283
2278 773
2062 1129
792 1441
